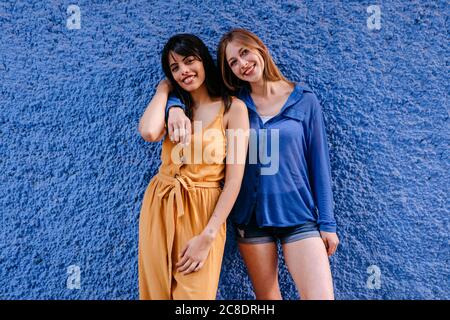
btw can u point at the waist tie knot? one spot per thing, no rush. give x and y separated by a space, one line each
173 188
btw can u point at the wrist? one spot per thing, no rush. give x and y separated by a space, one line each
209 235
169 108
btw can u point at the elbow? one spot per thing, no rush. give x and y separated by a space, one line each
150 135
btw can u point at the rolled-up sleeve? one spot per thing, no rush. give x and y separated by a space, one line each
173 101
319 169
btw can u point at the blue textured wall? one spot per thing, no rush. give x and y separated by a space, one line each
74 168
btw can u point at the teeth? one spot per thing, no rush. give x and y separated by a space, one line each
188 79
249 69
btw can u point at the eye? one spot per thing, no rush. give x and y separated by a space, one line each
244 52
190 60
174 68
232 63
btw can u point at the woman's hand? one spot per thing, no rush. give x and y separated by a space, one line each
193 256
179 126
331 241
164 85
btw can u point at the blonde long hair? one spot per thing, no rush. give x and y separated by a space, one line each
253 42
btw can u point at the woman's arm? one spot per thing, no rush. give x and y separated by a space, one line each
238 131
319 163
196 251
320 171
151 125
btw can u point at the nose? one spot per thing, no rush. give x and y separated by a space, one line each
242 63
184 69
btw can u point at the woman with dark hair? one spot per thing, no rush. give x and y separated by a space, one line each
182 226
294 203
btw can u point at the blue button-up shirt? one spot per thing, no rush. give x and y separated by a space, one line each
287 179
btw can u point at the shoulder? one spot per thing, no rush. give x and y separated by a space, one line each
237 107
307 93
237 114
309 101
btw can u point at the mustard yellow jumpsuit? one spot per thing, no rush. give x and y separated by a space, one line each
177 205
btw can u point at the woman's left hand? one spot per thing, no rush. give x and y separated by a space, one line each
193 256
331 241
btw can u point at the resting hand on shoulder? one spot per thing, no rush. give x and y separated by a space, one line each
179 126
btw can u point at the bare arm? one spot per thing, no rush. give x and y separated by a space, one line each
196 251
151 125
238 127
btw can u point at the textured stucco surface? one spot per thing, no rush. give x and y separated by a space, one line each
74 168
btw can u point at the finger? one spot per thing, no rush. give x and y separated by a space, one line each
191 268
183 258
176 133
183 251
200 265
331 250
182 133
188 131
182 262
170 128
185 266
334 247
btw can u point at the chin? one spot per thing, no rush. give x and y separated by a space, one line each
190 88
251 79
255 78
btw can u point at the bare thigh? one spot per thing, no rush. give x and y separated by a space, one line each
308 264
262 266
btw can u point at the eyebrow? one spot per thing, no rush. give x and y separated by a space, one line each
182 59
229 60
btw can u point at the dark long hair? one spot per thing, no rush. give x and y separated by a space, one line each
186 44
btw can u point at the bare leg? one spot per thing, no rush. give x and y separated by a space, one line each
262 266
308 264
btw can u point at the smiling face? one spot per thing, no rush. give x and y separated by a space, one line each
246 64
187 71
245 60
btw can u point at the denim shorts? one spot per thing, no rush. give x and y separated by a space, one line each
253 234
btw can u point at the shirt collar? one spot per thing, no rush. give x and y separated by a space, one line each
295 96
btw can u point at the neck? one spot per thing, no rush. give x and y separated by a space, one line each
200 96
261 89
270 88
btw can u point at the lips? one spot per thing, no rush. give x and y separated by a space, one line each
249 70
188 79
